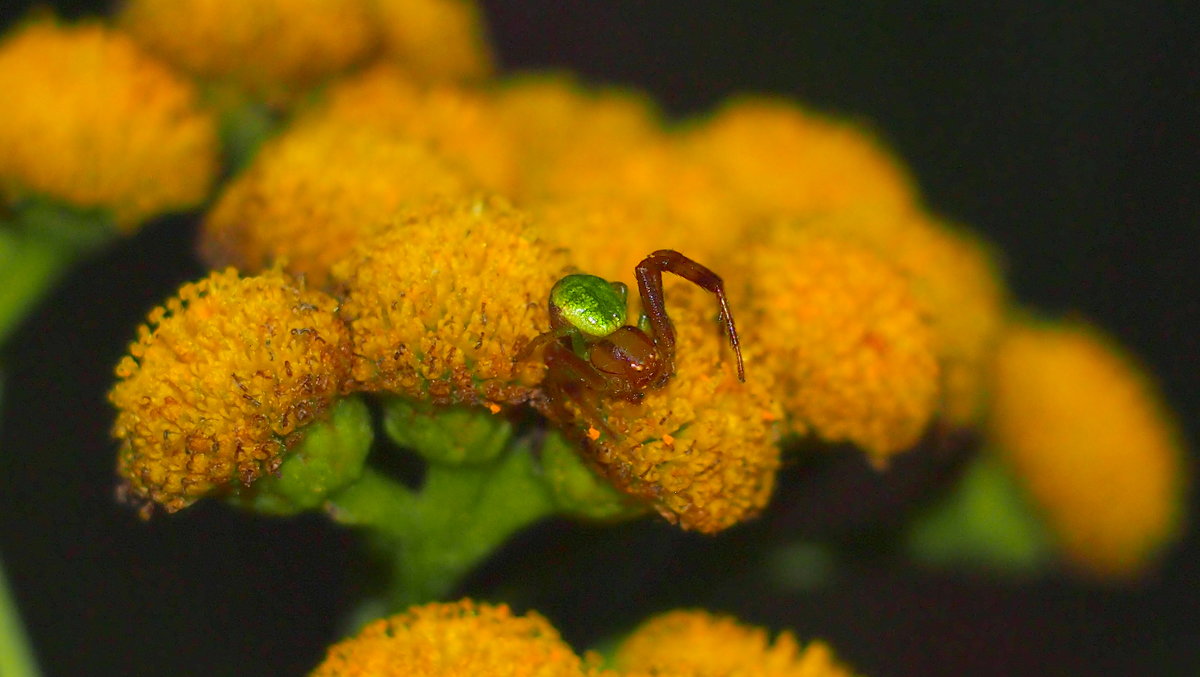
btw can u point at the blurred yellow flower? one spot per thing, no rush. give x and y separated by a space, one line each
783 160
458 124
441 303
435 40
221 382
845 336
453 639
90 120
271 48
699 644
955 274
1089 437
703 449
318 189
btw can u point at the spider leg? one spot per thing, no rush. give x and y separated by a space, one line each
572 377
649 277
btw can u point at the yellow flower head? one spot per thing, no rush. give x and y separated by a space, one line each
452 639
844 334
441 303
783 160
456 123
956 276
222 381
315 191
435 40
266 47
89 119
699 644
1089 437
702 450
551 117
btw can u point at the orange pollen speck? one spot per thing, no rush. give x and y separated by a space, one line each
493 407
668 440
593 434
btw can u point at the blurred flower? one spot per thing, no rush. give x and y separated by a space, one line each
452 639
783 160
441 303
222 381
955 274
459 125
1089 437
699 644
90 120
435 40
703 449
315 191
271 48
842 330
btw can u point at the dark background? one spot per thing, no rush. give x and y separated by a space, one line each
1067 135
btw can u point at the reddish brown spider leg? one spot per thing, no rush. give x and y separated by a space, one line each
570 375
649 276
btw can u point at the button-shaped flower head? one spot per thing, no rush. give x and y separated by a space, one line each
452 639
1088 436
91 120
318 189
847 339
222 381
700 644
440 304
266 47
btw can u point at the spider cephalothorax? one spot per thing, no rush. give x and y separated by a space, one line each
590 352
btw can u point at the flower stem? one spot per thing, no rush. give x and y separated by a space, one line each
16 657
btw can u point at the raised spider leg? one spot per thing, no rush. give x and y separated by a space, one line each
649 276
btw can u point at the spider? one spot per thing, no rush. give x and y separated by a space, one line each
591 352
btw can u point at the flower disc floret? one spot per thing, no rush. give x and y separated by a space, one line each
849 343
703 449
222 381
440 304
1088 435
453 639
266 47
91 120
435 40
700 644
318 189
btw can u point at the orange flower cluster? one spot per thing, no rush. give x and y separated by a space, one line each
466 638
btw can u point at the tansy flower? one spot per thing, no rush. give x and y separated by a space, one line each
699 644
457 124
441 303
702 450
222 381
452 639
90 120
783 160
435 40
956 276
265 47
1089 437
848 341
552 116
315 191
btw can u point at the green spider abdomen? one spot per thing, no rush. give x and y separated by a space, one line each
588 303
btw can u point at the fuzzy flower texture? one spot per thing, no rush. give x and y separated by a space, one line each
400 236
466 638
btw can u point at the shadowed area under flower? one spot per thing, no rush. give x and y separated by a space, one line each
1087 435
91 120
221 382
